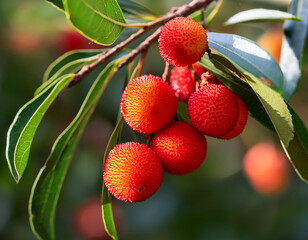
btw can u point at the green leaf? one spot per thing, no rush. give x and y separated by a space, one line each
260 14
275 107
100 21
297 149
137 10
209 13
247 55
106 203
56 67
47 187
57 3
69 66
22 130
295 34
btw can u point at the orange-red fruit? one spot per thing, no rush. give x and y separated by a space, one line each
182 42
132 172
182 82
241 121
148 104
180 147
214 110
266 168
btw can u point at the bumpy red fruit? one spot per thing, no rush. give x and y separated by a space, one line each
241 122
182 82
214 110
132 172
180 147
182 42
267 169
148 104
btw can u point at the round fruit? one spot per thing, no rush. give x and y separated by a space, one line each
241 122
132 172
180 147
214 110
266 168
182 82
182 42
148 104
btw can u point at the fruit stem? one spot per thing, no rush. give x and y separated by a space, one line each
149 139
166 74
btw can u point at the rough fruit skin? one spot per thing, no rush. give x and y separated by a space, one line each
148 104
267 169
214 110
241 122
182 42
132 172
182 82
180 147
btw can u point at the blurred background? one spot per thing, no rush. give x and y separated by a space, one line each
217 201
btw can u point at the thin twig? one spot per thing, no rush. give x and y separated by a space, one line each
144 46
166 74
182 11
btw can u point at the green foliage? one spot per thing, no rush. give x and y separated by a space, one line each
260 14
106 203
59 66
57 3
22 130
100 21
47 187
70 62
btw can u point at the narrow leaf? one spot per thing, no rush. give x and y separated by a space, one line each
60 62
46 190
57 3
295 34
209 13
261 14
275 107
297 150
247 55
22 130
106 203
100 21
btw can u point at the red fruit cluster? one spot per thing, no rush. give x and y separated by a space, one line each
266 168
133 171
